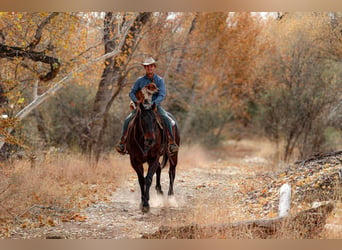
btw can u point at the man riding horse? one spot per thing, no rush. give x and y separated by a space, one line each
150 76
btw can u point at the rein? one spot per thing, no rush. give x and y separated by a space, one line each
138 115
136 127
140 127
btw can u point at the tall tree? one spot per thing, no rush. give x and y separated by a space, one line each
224 46
302 83
34 43
114 73
31 50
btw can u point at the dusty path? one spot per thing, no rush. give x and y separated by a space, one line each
205 190
208 189
121 217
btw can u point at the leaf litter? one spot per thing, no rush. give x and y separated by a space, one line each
215 190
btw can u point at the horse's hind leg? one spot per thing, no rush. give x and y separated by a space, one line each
158 185
172 172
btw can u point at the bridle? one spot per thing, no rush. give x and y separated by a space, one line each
139 127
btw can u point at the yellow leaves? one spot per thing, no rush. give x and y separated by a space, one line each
50 222
264 191
6 125
73 217
83 204
272 214
258 205
21 100
55 65
316 185
282 174
300 183
19 27
262 201
79 218
25 224
41 221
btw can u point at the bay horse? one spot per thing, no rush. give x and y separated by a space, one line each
147 143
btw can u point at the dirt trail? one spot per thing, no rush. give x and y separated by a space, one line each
208 189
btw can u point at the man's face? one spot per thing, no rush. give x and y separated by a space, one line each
150 69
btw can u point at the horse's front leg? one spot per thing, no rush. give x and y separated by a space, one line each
152 168
139 169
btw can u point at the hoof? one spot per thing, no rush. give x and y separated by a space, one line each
144 208
159 191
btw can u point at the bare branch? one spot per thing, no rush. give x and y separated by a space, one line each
28 52
39 31
58 85
12 51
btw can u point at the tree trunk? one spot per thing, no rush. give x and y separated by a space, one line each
112 77
7 51
3 99
55 88
42 129
179 68
186 126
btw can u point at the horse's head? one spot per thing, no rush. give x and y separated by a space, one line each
148 124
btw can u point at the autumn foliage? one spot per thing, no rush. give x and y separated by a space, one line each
228 75
231 77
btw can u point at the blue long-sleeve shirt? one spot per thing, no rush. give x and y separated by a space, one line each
143 81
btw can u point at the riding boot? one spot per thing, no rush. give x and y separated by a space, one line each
172 146
121 146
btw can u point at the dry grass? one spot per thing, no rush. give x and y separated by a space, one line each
215 222
63 182
68 181
208 211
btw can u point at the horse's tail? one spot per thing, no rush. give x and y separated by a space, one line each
164 162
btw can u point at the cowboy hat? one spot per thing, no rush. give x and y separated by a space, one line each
149 61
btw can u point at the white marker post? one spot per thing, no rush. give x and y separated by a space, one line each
284 200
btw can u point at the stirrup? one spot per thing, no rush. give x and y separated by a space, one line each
121 148
172 148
